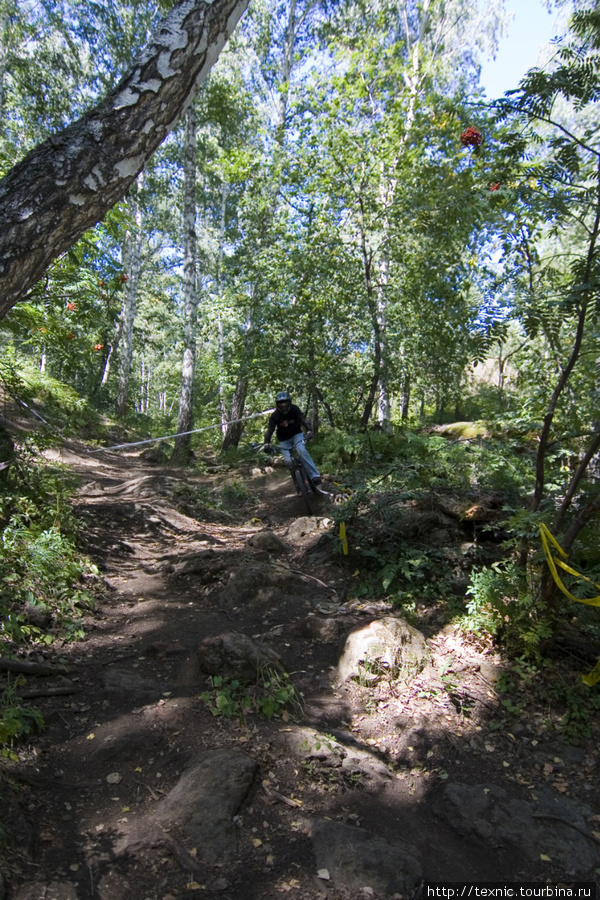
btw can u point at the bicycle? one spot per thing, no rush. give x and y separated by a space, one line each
304 486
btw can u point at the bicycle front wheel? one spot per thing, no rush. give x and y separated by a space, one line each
303 487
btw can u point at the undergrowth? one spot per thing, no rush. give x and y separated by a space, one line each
273 694
16 721
46 584
63 408
492 590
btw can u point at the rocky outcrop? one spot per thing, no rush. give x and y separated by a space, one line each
389 645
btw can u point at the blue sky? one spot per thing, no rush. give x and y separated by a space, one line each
531 29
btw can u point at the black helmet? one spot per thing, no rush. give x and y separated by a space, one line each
283 401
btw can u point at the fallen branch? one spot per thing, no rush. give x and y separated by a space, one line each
272 796
312 578
30 668
154 794
52 691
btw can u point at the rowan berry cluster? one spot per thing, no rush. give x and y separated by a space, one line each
471 137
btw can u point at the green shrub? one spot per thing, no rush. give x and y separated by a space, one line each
335 450
15 720
235 491
45 581
272 695
60 404
41 573
506 606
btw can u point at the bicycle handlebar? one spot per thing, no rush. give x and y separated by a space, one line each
257 447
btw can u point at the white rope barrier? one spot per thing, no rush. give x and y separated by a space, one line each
34 413
181 433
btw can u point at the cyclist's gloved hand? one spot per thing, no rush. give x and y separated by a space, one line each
268 448
308 436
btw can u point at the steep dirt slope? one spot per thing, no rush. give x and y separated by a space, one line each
128 716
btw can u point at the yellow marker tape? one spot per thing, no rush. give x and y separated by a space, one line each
343 538
592 677
553 562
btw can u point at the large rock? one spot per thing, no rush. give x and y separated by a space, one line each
551 824
358 859
307 525
236 655
319 628
269 586
116 680
307 744
121 743
157 455
268 541
190 564
383 645
205 800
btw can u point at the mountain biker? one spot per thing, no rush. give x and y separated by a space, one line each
288 421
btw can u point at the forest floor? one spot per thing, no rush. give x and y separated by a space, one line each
86 790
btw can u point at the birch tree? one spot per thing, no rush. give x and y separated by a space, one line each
132 257
185 417
66 185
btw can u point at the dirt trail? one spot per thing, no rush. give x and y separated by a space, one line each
91 782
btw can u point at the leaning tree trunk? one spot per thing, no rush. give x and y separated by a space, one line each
132 253
185 417
67 184
3 57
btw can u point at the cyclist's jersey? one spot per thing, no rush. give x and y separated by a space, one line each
287 424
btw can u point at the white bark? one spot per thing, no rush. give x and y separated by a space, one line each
220 329
132 254
68 183
3 56
185 416
106 370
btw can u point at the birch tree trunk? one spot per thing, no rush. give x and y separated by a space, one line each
132 254
185 416
220 328
3 56
106 367
68 183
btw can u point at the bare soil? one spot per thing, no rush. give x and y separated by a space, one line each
107 756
